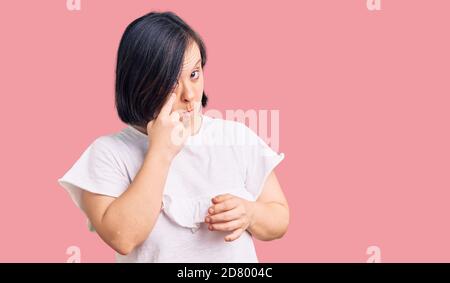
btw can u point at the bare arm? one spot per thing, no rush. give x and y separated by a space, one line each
270 213
126 221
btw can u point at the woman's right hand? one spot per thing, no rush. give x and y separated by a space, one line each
167 133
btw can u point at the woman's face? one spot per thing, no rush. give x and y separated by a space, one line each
189 88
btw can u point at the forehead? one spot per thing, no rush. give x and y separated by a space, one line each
191 57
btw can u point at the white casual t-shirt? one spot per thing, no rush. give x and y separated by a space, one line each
223 157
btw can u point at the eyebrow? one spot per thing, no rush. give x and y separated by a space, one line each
199 60
197 63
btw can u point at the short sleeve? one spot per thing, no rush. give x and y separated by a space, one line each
260 159
98 171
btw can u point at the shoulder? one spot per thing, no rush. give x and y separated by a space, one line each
229 126
237 133
232 132
105 143
118 140
109 146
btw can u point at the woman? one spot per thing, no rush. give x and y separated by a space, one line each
175 185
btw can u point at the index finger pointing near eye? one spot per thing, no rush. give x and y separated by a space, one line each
167 107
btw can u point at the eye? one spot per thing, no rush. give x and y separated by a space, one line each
195 75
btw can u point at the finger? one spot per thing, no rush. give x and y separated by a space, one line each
178 134
175 116
226 226
224 216
220 198
224 206
167 107
233 236
185 119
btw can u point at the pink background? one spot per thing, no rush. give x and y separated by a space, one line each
364 111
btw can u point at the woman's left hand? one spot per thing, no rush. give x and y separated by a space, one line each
230 213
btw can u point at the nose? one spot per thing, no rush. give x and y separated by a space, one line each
187 96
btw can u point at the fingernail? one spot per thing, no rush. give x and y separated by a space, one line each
211 210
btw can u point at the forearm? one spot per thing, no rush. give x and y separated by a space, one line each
269 220
130 218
